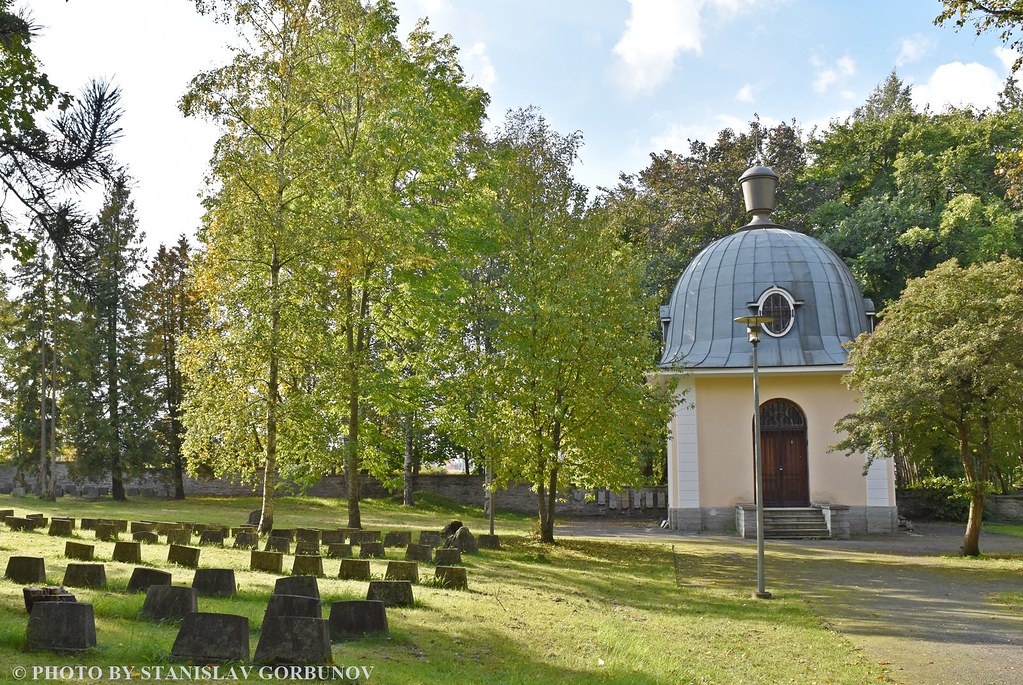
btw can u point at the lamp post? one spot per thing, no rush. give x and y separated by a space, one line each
753 324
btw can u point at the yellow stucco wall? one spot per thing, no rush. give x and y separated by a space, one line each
724 415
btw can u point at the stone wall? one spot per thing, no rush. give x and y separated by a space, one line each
1007 508
648 503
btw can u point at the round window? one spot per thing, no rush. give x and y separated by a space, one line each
779 306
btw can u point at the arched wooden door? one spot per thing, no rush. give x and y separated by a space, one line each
783 454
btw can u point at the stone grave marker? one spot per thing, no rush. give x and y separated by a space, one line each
307 565
212 537
214 582
179 536
4 513
277 543
310 535
143 527
205 637
146 536
183 555
246 540
271 562
304 547
254 517
49 593
371 550
339 550
61 627
107 531
285 533
419 553
127 552
292 605
429 537
168 603
452 577
143 577
332 537
447 557
293 640
402 570
354 569
356 618
85 575
88 524
398 538
359 537
61 527
26 570
79 550
20 523
393 593
303 586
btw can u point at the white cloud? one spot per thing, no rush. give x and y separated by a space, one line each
676 136
478 66
959 85
833 73
1007 57
912 48
745 94
655 33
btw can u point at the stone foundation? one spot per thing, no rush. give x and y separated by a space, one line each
843 521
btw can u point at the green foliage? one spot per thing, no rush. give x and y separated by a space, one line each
109 408
682 202
337 163
561 351
1003 16
945 369
38 163
911 189
171 311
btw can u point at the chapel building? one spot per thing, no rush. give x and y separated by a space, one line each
817 308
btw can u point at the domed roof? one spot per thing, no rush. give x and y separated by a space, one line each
769 270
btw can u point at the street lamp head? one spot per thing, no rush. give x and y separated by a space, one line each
753 324
758 186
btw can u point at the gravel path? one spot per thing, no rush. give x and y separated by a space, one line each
893 597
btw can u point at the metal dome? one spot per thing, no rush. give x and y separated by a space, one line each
731 277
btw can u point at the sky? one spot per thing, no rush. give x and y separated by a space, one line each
633 76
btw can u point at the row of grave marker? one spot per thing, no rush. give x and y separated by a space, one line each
293 630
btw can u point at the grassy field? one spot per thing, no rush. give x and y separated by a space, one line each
586 610
1014 529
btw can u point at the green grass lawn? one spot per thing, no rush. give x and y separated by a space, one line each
586 610
1014 529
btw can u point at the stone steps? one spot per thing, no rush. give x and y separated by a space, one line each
795 523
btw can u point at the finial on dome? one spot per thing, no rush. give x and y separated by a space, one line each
758 186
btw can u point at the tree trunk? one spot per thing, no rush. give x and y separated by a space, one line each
43 396
547 529
407 498
177 463
114 405
51 481
266 518
971 541
352 456
357 342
